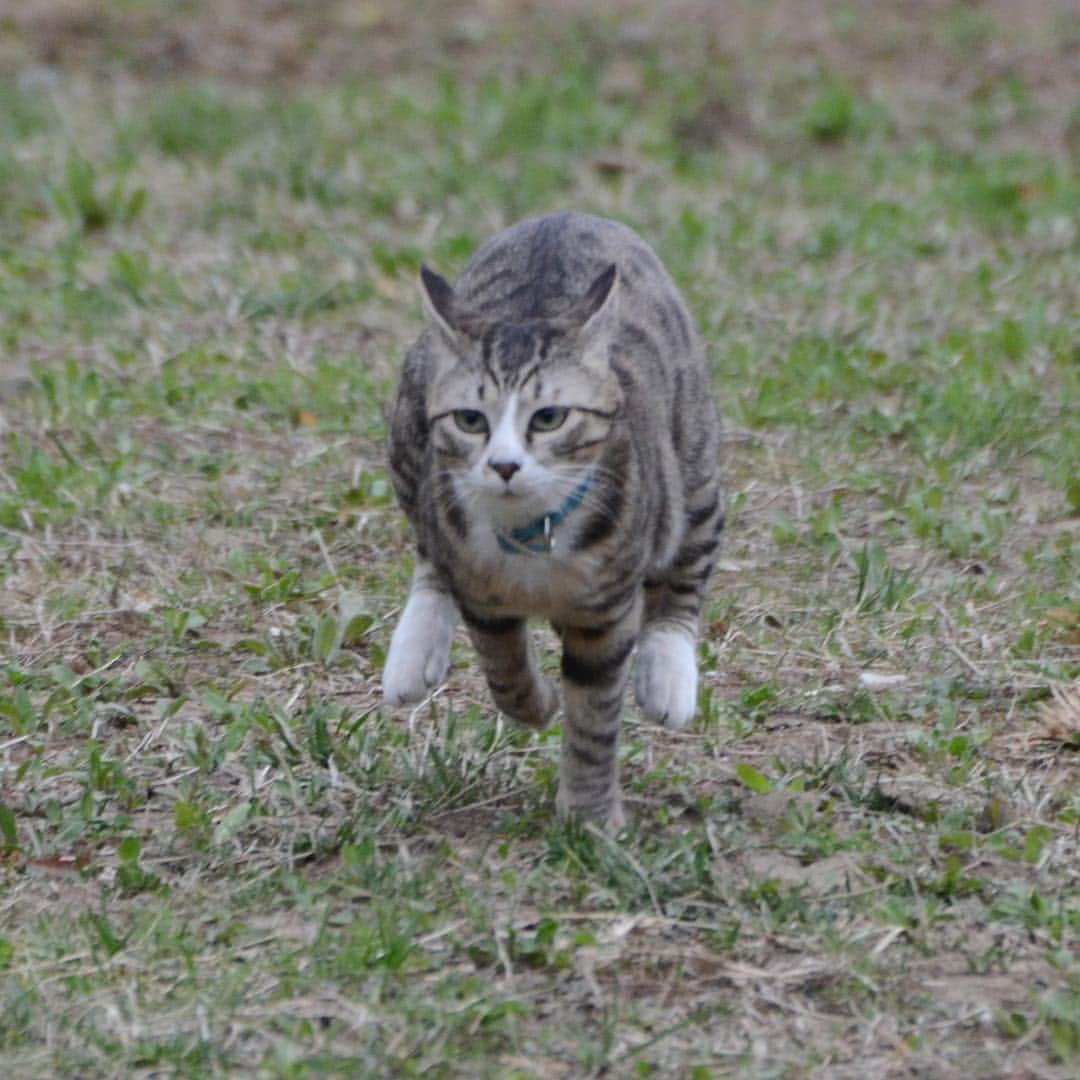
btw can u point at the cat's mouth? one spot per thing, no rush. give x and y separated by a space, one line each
506 492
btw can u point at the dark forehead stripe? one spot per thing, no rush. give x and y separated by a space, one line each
487 347
546 334
519 349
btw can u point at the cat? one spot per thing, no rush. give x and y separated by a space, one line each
554 444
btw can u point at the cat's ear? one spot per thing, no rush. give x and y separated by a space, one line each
594 316
593 311
439 303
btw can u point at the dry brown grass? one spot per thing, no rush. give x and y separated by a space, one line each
898 898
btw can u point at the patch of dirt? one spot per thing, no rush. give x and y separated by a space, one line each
835 873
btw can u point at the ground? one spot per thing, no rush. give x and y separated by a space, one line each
220 855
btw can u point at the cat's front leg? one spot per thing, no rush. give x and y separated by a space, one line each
508 660
420 646
596 667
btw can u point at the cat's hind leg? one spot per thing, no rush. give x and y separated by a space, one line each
665 685
666 682
420 646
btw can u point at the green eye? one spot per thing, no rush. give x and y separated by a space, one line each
548 419
471 421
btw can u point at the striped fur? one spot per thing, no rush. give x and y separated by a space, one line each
560 393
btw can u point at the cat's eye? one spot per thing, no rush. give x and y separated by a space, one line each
549 418
471 421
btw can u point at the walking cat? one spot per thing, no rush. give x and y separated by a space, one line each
554 445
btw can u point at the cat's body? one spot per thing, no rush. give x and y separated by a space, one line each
554 445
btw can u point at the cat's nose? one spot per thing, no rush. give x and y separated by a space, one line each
505 469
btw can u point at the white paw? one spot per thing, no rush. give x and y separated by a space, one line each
420 648
666 682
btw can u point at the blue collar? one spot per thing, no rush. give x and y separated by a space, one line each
536 538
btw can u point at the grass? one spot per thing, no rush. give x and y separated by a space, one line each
220 856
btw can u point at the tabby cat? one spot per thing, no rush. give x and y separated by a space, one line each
554 445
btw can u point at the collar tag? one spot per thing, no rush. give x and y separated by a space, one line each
538 537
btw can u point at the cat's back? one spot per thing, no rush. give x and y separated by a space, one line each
535 268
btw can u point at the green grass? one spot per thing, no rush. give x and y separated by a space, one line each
219 855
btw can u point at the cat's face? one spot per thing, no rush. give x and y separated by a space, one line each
519 413
516 449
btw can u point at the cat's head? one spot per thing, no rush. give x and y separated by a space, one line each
519 412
